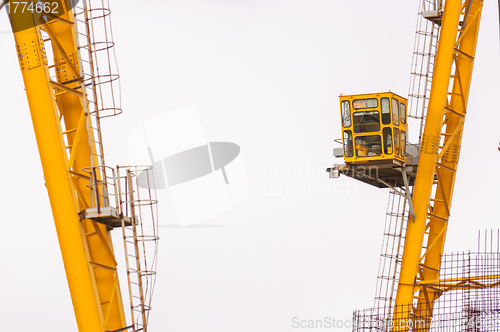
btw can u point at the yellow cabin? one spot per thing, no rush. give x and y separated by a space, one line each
374 134
373 127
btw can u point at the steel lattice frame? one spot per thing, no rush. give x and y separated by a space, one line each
50 61
440 149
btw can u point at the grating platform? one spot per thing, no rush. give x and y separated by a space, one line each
108 215
383 173
379 174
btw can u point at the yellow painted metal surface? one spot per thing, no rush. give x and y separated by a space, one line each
60 115
374 127
440 149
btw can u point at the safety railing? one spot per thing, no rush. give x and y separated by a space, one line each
126 198
103 186
137 199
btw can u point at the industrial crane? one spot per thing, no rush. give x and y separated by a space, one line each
65 56
440 151
376 151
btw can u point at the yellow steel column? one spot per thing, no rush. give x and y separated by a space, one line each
61 122
427 160
54 163
99 248
438 159
447 164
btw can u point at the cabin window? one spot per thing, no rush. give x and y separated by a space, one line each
387 134
403 143
346 113
396 141
395 112
386 110
348 150
368 146
366 121
402 108
365 103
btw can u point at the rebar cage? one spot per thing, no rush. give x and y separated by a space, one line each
469 301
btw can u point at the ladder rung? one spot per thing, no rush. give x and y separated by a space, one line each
138 306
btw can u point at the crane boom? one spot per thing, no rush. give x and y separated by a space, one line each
440 149
373 133
71 156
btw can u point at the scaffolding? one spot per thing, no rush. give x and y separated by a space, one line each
469 301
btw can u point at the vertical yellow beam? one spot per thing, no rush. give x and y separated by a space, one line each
446 170
445 109
98 248
427 159
88 259
64 206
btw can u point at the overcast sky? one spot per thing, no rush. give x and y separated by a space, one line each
265 75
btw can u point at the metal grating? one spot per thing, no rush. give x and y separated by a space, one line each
470 296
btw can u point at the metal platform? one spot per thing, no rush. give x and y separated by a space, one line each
108 215
384 174
435 16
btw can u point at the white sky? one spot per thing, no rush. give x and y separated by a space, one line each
265 75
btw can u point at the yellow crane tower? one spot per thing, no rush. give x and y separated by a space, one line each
439 154
60 57
376 151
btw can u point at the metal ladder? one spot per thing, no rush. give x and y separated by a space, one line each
140 240
100 70
424 53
